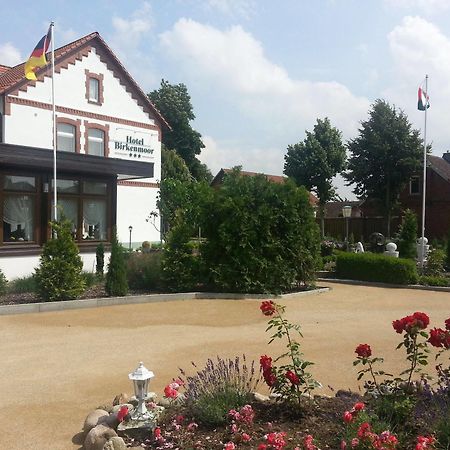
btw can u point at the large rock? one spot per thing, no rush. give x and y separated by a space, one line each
94 418
115 443
121 399
98 437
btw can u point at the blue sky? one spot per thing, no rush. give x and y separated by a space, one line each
260 72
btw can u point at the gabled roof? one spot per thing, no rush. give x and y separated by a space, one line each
3 69
440 166
12 79
218 179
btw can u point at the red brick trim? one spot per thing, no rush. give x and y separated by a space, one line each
104 128
138 184
99 77
76 124
78 112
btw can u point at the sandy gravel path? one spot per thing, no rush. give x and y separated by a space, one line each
56 367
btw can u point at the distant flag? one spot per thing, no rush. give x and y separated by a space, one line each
37 58
423 102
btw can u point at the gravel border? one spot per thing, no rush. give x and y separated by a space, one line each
29 308
418 287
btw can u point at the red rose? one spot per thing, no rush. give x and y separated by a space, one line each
269 377
436 337
421 320
447 324
292 377
265 362
268 308
348 416
359 406
399 325
170 392
363 350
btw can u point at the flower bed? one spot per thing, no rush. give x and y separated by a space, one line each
216 408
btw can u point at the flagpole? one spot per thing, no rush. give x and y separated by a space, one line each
55 195
424 189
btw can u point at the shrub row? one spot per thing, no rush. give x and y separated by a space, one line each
375 267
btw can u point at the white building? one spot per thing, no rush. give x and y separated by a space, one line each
108 158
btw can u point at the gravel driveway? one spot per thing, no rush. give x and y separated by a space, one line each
58 366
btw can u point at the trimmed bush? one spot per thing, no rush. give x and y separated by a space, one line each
435 263
116 278
144 271
428 280
374 267
58 276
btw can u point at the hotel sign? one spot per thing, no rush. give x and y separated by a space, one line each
131 147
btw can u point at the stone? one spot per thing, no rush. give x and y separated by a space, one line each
115 443
98 437
121 399
94 418
164 401
260 397
116 408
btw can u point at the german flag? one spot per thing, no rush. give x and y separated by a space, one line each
37 58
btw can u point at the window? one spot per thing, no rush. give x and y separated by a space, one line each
19 203
85 204
414 185
66 137
94 87
94 90
96 139
96 142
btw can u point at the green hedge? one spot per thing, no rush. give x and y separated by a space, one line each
375 267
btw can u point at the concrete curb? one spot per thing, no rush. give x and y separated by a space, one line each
29 308
417 287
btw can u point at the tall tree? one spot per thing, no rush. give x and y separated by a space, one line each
315 161
385 154
174 103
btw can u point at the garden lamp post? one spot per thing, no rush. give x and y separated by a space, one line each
141 377
346 213
130 229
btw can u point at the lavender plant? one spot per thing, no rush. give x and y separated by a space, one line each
222 385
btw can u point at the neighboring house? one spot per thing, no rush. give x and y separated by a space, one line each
334 209
108 137
437 207
218 180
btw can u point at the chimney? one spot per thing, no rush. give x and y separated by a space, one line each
446 156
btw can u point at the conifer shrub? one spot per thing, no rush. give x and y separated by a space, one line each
100 260
408 235
375 267
59 274
116 278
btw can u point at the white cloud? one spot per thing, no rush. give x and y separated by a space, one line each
217 155
428 7
233 61
127 41
419 47
233 8
9 55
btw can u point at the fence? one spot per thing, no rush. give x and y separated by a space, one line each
360 227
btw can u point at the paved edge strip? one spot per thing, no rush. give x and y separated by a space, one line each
418 287
29 308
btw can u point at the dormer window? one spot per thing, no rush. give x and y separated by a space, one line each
94 87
